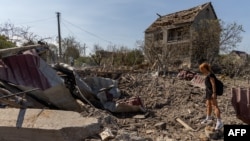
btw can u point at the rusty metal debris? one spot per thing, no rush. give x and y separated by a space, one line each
241 103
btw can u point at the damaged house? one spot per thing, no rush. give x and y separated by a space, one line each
183 38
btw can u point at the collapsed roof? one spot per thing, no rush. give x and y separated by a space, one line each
181 17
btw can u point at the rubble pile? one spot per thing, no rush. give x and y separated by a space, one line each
125 105
175 107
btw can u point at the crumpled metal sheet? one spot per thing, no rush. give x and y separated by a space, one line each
97 83
28 70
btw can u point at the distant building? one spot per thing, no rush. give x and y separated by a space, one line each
171 35
239 57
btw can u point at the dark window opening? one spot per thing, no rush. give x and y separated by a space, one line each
177 34
158 36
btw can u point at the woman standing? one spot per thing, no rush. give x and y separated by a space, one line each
211 97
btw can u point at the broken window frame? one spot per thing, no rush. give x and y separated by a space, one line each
177 34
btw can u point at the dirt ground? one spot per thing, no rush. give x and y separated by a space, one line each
169 102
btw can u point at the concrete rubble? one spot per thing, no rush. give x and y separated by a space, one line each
45 124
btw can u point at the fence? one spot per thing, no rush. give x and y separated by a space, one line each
199 81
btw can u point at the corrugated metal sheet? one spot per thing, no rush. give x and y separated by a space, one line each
241 103
28 70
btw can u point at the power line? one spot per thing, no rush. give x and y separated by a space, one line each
40 20
88 32
68 28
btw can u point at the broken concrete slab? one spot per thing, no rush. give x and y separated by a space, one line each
59 96
43 124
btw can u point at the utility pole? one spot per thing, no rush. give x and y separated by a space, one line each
59 35
84 49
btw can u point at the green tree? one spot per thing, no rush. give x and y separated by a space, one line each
70 48
84 61
206 39
97 57
212 37
17 34
134 57
5 42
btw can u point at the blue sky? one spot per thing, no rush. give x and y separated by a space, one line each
104 22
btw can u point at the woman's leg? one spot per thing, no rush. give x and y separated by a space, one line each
219 124
208 112
209 107
216 108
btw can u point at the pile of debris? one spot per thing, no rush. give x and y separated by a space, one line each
28 82
58 102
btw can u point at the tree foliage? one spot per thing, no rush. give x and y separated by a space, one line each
206 39
134 57
230 36
234 65
5 42
209 30
116 56
18 35
97 57
84 61
214 37
71 48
